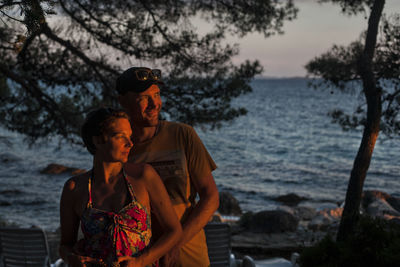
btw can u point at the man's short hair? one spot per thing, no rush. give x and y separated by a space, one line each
97 123
135 80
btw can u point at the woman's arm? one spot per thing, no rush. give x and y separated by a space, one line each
161 206
69 220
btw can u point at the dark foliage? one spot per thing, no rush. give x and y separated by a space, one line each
376 242
339 69
60 66
351 7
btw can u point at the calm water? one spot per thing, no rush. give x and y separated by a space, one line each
285 144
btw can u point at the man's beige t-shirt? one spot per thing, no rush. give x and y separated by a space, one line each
178 155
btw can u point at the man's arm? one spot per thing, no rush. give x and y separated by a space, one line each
200 165
203 210
198 217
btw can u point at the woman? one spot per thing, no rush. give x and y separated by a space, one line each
113 208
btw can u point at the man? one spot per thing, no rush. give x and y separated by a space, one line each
180 158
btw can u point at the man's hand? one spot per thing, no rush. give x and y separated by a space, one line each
128 261
171 258
75 260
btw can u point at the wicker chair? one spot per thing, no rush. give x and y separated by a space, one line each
21 247
218 236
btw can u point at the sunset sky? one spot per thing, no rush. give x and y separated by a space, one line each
316 29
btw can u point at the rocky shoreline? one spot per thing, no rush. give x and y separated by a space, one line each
292 226
279 233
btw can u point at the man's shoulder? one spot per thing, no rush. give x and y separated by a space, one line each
176 126
139 172
133 169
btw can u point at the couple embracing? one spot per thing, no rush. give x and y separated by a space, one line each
137 205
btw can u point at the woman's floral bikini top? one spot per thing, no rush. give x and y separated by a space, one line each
109 235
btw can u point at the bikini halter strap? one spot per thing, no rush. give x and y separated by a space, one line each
130 189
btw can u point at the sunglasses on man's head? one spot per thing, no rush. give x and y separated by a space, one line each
145 74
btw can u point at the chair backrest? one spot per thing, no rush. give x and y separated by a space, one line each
24 247
218 236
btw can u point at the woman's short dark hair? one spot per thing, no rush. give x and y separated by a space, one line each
96 124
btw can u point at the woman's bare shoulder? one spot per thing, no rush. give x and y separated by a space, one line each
77 182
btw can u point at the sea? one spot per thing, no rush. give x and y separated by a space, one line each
285 144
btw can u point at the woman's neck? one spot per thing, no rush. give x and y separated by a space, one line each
106 172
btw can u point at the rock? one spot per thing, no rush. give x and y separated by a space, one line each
334 213
321 222
228 204
287 209
380 204
380 208
262 245
394 202
59 169
246 218
326 206
269 221
370 196
325 219
290 199
305 213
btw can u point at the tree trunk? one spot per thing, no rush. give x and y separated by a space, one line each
374 110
